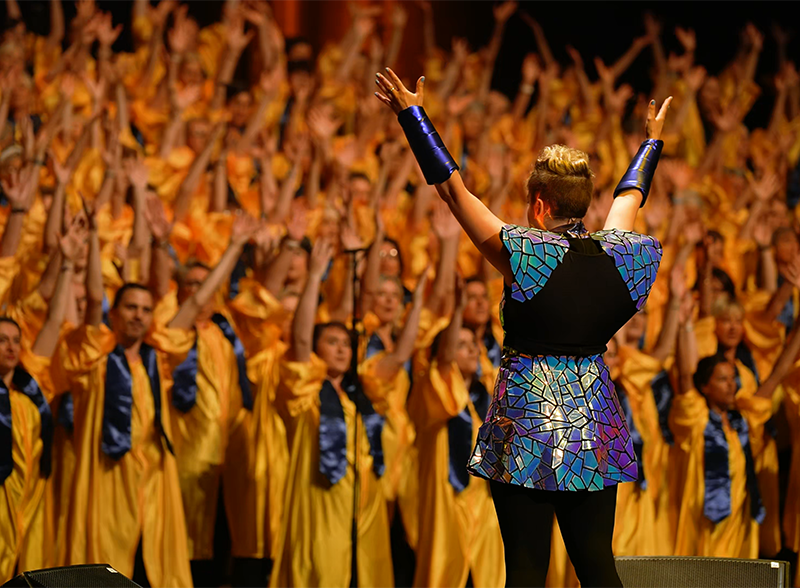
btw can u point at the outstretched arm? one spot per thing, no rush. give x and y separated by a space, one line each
303 323
480 224
243 228
390 364
632 190
71 245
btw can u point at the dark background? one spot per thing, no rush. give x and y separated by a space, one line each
594 28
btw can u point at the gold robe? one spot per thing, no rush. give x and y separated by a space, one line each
458 532
258 458
117 504
315 546
642 524
23 541
201 436
736 535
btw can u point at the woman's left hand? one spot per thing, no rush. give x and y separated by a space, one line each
655 122
394 94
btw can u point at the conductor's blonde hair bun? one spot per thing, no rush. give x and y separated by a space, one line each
564 161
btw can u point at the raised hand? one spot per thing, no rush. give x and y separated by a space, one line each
73 242
444 224
695 77
298 224
182 33
184 97
158 14
395 95
17 188
679 172
107 34
531 68
762 232
619 98
504 11
160 227
687 38
237 38
677 281
460 49
766 187
137 172
63 173
322 125
575 56
791 271
349 238
728 120
754 36
320 257
655 122
605 73
243 228
694 233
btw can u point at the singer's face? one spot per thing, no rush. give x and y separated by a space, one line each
388 301
333 347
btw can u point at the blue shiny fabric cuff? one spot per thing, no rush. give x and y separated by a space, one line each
436 163
641 170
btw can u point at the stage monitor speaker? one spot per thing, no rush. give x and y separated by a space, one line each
702 572
87 576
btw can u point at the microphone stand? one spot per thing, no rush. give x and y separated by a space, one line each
355 339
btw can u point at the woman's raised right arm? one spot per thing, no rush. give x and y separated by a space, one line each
439 168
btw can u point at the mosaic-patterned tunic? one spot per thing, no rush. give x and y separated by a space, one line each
555 422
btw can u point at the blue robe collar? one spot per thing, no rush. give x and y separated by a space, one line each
459 435
717 499
28 386
333 429
118 403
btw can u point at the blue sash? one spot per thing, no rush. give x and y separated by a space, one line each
184 391
25 383
459 434
717 499
333 429
119 400
65 416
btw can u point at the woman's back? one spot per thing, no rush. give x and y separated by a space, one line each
555 422
573 291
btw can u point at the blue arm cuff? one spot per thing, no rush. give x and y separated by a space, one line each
436 163
641 170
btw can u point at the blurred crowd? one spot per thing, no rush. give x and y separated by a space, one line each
187 251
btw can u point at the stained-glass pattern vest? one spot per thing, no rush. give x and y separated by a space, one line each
555 422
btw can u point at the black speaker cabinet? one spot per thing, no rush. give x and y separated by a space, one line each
702 572
88 576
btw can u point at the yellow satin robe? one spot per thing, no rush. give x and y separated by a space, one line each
315 546
458 533
642 525
117 504
201 436
766 460
258 458
737 535
23 541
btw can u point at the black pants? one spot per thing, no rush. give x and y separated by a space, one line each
586 520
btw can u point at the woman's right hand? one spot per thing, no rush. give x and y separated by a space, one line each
655 122
394 94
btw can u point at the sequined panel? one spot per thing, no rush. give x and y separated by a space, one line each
555 424
534 256
637 258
